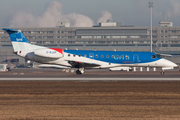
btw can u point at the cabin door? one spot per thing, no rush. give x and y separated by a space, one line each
136 59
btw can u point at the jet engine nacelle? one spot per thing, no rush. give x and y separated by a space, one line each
49 53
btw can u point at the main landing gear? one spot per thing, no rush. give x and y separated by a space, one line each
80 71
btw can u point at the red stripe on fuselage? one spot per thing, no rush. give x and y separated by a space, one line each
78 62
58 50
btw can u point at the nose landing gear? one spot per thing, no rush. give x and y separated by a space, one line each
162 72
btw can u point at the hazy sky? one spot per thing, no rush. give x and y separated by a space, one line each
82 13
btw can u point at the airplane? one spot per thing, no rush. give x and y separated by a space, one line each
84 59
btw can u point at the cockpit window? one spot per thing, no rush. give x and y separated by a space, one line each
153 56
156 56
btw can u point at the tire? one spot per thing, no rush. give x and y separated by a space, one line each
162 72
78 72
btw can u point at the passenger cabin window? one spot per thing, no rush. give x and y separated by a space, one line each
112 56
127 57
107 56
79 55
85 55
96 56
68 55
102 56
122 56
74 55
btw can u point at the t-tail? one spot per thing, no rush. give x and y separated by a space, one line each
19 41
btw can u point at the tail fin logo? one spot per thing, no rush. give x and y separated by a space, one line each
19 39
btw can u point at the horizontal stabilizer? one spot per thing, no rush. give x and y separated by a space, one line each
10 30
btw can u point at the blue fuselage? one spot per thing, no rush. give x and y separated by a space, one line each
117 57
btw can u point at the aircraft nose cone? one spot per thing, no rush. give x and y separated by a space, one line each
175 65
169 63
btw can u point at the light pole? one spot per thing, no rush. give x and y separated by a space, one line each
151 6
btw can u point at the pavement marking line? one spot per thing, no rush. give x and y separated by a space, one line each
90 79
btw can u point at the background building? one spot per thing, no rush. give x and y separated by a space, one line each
105 36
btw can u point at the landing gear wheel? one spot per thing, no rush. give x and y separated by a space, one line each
78 72
162 72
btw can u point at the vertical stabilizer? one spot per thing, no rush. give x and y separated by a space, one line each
19 41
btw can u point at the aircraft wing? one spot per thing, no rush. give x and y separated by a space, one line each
51 66
168 55
80 64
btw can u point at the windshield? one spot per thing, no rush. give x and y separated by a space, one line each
156 56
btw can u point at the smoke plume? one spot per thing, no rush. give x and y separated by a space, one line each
105 16
49 18
175 8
